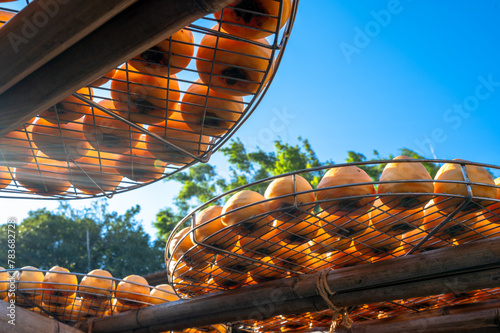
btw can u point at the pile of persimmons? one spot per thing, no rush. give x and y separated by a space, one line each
348 219
74 144
58 293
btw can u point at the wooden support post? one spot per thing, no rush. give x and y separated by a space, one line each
137 28
29 322
45 28
454 269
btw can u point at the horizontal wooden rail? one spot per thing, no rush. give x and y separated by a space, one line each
137 28
44 29
455 269
24 321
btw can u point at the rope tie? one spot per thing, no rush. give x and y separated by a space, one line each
325 292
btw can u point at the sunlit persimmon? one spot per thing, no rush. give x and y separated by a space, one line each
95 172
405 171
254 19
492 212
179 270
476 174
179 135
60 142
291 195
479 230
298 232
163 293
16 147
228 280
454 228
140 165
348 257
104 79
344 182
344 224
209 230
323 242
62 310
296 257
394 221
109 134
133 290
373 243
44 176
235 262
69 109
5 176
180 243
96 289
237 68
263 246
144 98
29 281
248 212
4 283
167 57
59 286
208 111
268 270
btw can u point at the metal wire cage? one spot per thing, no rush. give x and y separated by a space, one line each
166 109
220 248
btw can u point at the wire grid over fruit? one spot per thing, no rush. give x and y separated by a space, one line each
164 110
74 297
282 226
321 321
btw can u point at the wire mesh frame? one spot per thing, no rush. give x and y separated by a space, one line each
202 154
221 261
69 303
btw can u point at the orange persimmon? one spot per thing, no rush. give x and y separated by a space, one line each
208 229
207 111
267 270
254 19
476 174
62 141
105 78
253 219
143 98
59 286
140 165
341 223
94 172
5 176
109 134
179 134
493 211
237 68
69 109
394 221
405 171
16 147
5 15
44 176
167 57
344 181
133 291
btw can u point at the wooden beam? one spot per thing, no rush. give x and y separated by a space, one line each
137 28
44 29
455 269
28 322
474 321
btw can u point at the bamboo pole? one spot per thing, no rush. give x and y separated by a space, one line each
28 322
137 28
44 29
455 269
474 321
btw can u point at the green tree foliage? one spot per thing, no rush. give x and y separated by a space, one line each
117 242
203 182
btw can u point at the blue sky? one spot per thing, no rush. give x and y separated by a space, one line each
364 75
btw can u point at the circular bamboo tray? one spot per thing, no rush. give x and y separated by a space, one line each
310 239
124 150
